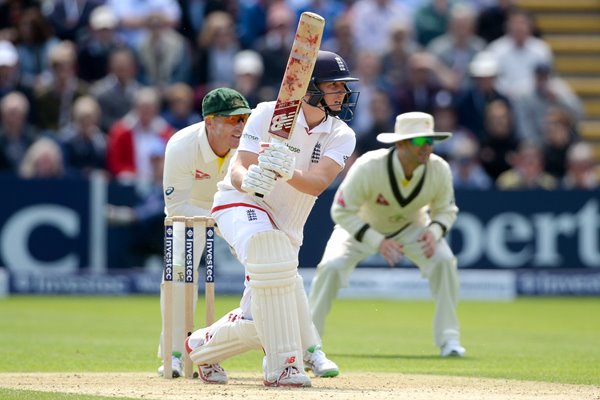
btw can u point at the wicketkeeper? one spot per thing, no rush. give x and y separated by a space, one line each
266 232
196 158
398 202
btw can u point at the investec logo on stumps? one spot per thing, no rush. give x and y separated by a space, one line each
210 238
283 118
189 255
168 273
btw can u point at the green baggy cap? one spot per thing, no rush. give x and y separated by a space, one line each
224 101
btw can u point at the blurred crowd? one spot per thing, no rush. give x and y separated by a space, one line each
100 85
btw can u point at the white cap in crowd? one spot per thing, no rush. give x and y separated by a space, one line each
248 62
483 65
103 17
8 54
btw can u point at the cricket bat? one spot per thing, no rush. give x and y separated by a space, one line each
296 78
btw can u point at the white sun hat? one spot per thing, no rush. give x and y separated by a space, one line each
8 54
411 125
483 65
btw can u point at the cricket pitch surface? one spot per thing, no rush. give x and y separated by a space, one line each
347 386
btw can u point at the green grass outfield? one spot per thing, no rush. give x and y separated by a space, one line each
541 339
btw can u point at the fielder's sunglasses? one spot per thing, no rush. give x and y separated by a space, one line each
232 119
422 141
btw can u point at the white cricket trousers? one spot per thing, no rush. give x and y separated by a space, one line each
342 255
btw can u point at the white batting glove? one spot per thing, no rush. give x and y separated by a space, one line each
278 158
258 181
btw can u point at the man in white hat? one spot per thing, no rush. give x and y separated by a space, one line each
398 202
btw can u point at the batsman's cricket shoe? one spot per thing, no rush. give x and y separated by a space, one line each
452 348
289 377
212 373
209 373
316 361
176 366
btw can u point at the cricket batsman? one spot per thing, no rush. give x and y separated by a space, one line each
267 232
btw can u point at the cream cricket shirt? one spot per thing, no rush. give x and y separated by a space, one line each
191 172
288 207
376 201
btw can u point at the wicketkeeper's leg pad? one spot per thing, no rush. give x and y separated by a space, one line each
272 266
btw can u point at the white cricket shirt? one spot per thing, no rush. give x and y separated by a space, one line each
288 207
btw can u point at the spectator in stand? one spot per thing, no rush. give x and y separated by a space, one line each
527 170
499 139
251 22
395 60
328 9
16 135
518 52
83 143
368 71
583 171
163 54
342 41
550 91
431 21
10 80
54 100
180 107
132 137
133 16
419 91
383 120
372 22
446 120
274 47
146 217
217 46
472 102
248 69
559 136
69 18
43 160
116 92
97 44
35 38
458 46
11 12
466 168
491 23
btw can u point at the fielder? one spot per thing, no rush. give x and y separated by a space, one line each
196 158
266 232
398 202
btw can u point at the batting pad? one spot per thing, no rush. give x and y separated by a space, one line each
272 269
227 337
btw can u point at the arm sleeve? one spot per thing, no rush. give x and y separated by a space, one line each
351 195
341 147
178 179
443 208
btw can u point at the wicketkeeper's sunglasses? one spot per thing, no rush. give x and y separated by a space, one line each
422 141
232 119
